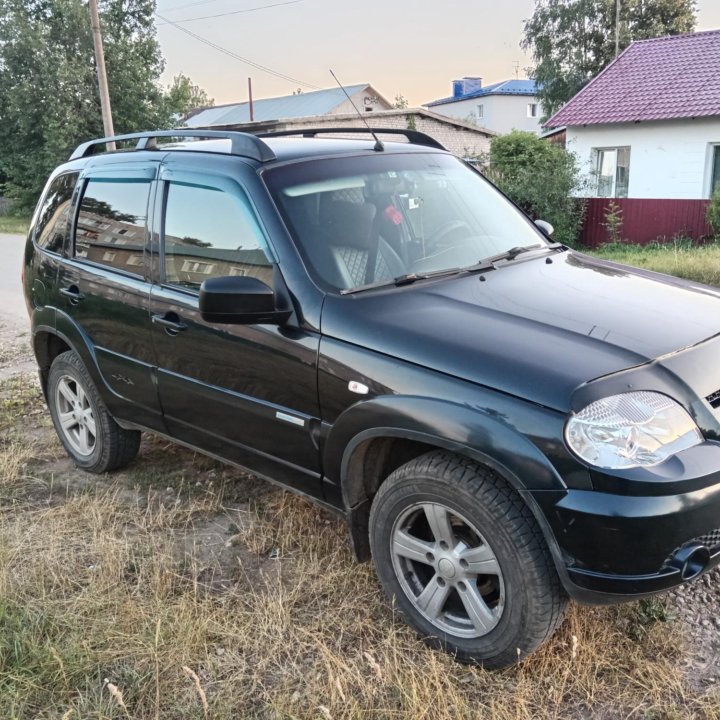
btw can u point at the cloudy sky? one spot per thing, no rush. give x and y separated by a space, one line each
409 47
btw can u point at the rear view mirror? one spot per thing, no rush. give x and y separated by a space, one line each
239 300
545 228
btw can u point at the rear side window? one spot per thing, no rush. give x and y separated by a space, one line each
52 223
111 223
210 233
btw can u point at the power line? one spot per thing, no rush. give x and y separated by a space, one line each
230 53
239 12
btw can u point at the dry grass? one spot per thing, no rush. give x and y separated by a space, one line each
14 225
183 589
681 258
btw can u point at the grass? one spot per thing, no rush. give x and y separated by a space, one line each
180 588
700 263
14 225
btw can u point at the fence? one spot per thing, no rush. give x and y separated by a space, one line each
645 220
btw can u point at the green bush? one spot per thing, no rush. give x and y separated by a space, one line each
541 178
713 213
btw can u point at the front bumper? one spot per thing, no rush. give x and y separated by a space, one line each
630 542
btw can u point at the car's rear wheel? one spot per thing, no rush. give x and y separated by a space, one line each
86 429
464 560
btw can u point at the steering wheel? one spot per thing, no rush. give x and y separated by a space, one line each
447 229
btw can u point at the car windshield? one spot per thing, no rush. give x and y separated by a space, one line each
372 219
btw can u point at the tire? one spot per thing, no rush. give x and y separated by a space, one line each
86 429
464 560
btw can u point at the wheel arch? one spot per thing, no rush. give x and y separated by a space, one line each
49 341
411 427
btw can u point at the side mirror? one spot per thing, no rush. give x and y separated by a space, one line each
545 228
239 300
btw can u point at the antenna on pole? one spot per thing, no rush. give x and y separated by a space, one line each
516 68
379 147
101 73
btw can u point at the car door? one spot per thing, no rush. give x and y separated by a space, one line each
104 287
247 393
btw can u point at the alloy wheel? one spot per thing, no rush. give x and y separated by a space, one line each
75 415
448 570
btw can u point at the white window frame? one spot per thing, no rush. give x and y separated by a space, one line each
713 160
533 110
481 112
597 155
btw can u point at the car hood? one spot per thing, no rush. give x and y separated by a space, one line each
537 327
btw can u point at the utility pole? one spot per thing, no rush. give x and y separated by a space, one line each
250 100
102 75
617 27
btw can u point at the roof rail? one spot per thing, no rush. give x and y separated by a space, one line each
242 144
414 136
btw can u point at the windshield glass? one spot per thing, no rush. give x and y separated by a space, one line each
363 220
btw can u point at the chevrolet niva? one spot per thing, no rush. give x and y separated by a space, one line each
504 423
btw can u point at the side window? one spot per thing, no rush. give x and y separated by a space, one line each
211 233
111 223
52 224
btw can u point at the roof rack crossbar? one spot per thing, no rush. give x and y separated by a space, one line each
414 136
241 144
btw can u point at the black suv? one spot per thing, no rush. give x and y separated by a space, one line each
503 422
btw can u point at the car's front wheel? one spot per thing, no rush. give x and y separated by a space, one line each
86 429
464 560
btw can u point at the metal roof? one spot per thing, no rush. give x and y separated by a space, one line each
319 102
659 79
506 87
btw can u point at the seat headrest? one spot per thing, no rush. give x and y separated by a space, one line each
348 223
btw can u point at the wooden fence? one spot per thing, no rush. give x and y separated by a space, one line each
645 220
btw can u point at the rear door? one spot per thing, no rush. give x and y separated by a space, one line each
104 287
247 393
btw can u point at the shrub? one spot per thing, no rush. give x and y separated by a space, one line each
541 178
614 222
713 213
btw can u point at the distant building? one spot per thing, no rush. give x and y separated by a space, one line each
648 126
320 102
646 132
500 107
463 139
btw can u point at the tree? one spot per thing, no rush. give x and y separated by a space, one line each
401 102
713 213
183 96
49 100
573 40
541 178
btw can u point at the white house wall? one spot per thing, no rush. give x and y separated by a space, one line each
501 113
669 159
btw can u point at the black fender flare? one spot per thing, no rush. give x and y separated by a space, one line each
478 433
470 431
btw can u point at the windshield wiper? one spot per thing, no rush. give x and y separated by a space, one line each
513 252
407 279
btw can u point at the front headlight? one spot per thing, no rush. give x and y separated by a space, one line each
633 429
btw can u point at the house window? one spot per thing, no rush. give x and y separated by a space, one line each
480 111
613 172
715 179
532 110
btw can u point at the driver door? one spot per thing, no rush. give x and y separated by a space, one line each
247 393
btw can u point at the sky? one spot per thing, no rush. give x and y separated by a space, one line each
413 48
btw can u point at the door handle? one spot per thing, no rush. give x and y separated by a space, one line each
73 293
171 322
